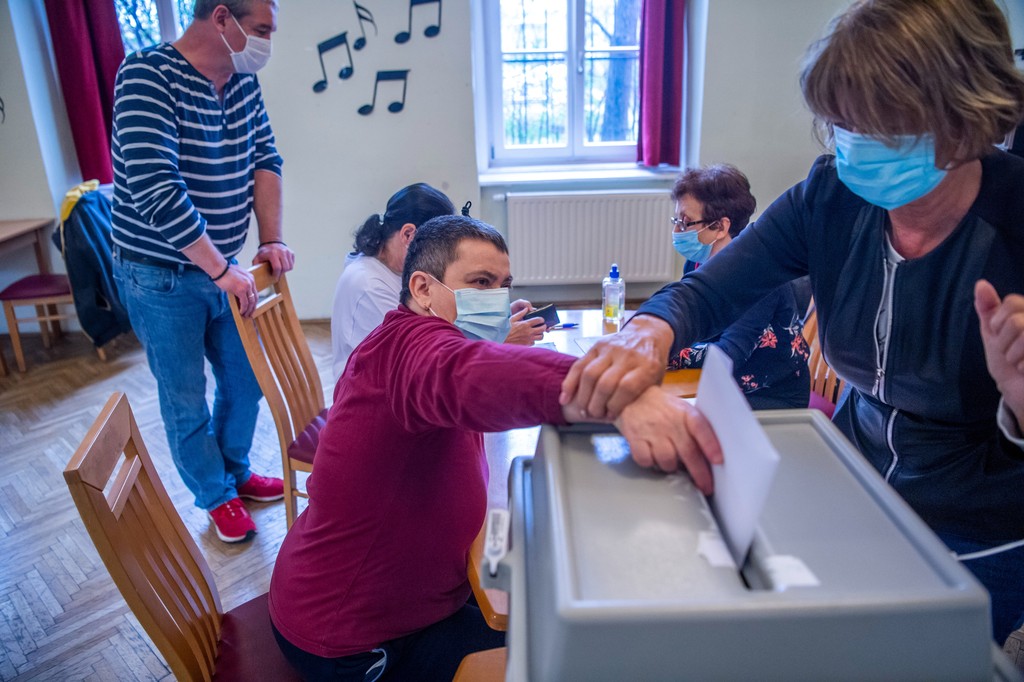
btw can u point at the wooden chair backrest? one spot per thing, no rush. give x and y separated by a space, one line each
153 560
824 381
280 356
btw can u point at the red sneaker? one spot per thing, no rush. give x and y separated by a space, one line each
232 522
262 488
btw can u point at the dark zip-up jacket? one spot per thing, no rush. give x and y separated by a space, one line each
85 243
922 408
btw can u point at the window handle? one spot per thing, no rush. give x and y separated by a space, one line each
579 63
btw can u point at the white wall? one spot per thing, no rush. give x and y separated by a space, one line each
753 114
1014 11
341 167
37 158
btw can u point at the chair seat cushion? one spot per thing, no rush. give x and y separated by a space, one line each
818 402
37 286
304 446
248 650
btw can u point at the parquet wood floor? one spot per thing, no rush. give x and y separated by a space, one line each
61 617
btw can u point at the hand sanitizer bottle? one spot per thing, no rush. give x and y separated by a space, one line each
613 296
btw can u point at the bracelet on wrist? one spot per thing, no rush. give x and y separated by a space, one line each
272 241
227 266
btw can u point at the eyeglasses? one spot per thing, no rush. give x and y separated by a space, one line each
687 224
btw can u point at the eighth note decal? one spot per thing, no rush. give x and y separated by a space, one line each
340 58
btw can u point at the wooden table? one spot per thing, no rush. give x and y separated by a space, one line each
505 446
16 234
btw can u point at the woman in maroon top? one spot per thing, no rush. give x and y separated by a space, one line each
371 579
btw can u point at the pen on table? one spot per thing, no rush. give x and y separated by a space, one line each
565 325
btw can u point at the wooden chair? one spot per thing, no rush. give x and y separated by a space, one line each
483 666
493 603
44 293
826 386
156 564
284 367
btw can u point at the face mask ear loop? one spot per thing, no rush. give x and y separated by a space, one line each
228 45
719 237
428 308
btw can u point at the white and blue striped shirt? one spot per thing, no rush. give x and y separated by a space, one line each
184 159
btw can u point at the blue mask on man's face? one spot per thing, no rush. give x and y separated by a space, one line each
482 313
886 176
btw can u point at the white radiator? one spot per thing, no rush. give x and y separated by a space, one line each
573 238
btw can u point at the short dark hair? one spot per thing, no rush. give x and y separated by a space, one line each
238 8
723 189
436 244
414 204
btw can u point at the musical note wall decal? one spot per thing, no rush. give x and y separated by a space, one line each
387 77
3 112
326 46
365 16
430 31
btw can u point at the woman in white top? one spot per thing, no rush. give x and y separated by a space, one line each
370 284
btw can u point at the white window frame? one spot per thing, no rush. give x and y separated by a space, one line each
575 151
166 20
167 17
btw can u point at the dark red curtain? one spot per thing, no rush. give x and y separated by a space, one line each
661 82
87 45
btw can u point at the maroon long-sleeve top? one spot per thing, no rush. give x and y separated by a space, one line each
399 486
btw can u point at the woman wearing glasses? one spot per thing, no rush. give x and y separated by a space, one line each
767 349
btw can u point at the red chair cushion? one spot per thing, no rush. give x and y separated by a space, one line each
818 402
37 286
248 650
304 446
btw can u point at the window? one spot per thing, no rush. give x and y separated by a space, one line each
562 80
147 22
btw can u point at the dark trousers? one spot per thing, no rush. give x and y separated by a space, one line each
433 653
1002 575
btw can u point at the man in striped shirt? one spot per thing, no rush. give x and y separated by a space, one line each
193 156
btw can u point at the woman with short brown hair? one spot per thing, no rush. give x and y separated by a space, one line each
766 346
913 237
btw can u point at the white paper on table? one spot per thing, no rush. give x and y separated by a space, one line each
585 343
743 481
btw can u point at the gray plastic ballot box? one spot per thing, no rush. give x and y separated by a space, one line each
844 581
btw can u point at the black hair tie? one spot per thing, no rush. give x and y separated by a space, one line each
466 207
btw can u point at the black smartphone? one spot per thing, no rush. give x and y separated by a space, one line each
548 313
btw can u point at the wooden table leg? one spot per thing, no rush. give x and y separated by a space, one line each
12 328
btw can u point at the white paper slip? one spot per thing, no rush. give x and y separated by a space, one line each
743 481
587 342
785 571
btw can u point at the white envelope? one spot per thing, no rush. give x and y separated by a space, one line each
743 481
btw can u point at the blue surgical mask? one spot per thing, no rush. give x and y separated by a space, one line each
689 247
886 176
482 313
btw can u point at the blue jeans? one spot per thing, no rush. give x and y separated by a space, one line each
181 317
